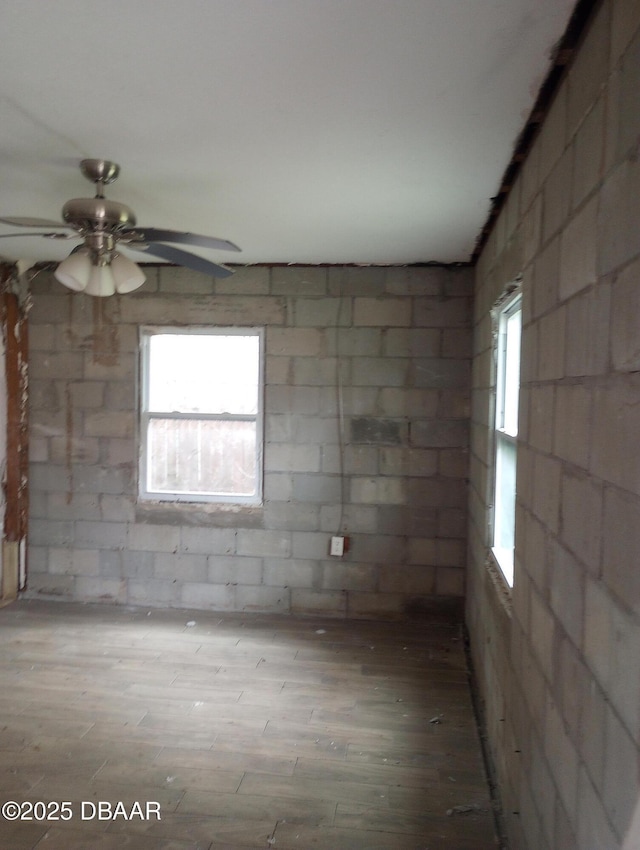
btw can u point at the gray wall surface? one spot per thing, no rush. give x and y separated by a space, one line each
559 659
401 339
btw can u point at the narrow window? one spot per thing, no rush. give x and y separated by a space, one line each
201 415
508 317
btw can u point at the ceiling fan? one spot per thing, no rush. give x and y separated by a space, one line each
96 267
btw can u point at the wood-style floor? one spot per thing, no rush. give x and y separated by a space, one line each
249 732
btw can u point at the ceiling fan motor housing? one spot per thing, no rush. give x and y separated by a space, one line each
97 213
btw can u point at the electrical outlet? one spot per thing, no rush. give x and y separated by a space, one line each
336 547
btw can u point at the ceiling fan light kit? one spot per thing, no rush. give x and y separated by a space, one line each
81 273
96 267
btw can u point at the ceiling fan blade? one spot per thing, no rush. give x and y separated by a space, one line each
18 221
183 258
154 234
46 235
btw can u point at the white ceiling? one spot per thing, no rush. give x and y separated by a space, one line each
306 131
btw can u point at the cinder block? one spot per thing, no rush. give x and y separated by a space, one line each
621 783
184 282
303 281
411 342
566 592
379 372
233 570
450 581
57 365
327 603
259 543
180 568
553 134
446 433
572 424
457 343
375 431
101 535
282 457
399 461
557 196
550 345
441 312
357 519
109 424
74 561
44 532
589 148
138 565
378 491
207 541
546 279
441 373
311 371
625 308
291 516
408 280
341 576
407 580
309 545
46 586
588 330
322 312
546 491
154 538
281 399
163 594
382 312
597 631
110 564
621 543
215 597
272 599
94 589
617 460
290 572
378 549
578 254
349 281
296 342
618 214
353 342
379 605
317 488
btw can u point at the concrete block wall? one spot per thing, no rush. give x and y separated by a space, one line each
558 659
400 339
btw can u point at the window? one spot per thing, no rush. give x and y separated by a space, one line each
201 414
508 319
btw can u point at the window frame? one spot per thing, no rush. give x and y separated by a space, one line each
145 415
504 439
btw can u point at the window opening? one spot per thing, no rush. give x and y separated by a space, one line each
201 414
508 318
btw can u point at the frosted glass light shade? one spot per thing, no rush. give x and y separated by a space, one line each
75 271
127 275
79 273
101 282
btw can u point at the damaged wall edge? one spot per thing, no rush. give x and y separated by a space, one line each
15 485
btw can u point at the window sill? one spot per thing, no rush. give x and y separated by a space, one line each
200 513
503 591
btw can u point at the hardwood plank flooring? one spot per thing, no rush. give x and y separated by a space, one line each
249 732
